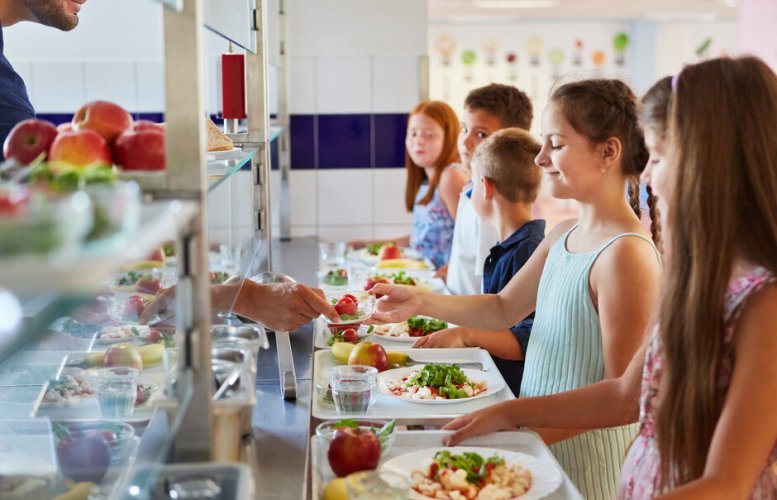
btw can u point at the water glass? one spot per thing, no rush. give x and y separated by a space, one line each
357 277
354 388
117 390
332 254
377 485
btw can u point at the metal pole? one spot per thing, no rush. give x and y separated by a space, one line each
284 156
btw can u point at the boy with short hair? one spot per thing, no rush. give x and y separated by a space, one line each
506 182
486 110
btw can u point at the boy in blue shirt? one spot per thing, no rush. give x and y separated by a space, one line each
506 182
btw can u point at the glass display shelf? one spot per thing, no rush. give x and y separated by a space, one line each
220 166
85 267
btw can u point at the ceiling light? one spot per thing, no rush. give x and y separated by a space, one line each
515 4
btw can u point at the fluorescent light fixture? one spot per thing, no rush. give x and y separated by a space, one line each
515 4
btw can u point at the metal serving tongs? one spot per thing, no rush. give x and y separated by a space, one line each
286 372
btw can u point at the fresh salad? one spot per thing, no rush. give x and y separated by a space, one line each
218 277
347 307
437 381
416 326
336 277
471 476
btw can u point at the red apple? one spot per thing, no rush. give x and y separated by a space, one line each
123 355
106 118
389 251
350 335
157 254
80 148
148 125
28 139
369 354
142 149
155 337
84 457
353 449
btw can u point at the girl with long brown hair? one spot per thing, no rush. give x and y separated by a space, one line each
708 377
593 281
434 181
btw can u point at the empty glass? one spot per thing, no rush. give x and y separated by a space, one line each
353 388
117 390
332 254
357 277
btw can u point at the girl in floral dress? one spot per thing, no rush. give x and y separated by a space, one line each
434 181
707 407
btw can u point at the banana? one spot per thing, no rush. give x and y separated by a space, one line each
151 354
144 264
401 263
95 358
397 358
342 350
79 491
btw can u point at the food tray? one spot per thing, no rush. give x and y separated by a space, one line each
89 408
388 407
407 441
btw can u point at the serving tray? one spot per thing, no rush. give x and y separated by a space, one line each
390 407
408 441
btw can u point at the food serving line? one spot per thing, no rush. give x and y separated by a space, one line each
284 451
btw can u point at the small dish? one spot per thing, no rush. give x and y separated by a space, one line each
354 307
326 430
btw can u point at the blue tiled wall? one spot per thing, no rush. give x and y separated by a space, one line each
348 141
326 141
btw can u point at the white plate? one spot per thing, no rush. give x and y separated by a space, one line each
494 383
546 477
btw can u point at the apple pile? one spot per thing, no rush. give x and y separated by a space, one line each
101 133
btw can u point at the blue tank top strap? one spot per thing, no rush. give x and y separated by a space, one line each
640 236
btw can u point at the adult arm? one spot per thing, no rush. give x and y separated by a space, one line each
747 429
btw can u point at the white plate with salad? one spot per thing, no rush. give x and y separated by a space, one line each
438 384
512 474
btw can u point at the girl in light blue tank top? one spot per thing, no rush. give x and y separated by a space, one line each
592 147
566 353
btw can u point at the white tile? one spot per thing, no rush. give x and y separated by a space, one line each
389 231
388 200
150 84
343 84
344 197
58 86
395 83
304 194
301 78
212 85
111 81
344 233
24 69
302 231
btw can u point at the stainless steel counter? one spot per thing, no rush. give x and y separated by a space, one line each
278 448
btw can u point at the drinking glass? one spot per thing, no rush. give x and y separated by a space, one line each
353 388
117 390
332 254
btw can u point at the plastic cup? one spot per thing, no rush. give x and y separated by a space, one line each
332 254
377 485
353 388
117 390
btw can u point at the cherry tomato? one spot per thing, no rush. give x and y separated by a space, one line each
350 335
346 306
155 337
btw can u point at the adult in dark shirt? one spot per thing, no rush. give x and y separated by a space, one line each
15 105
